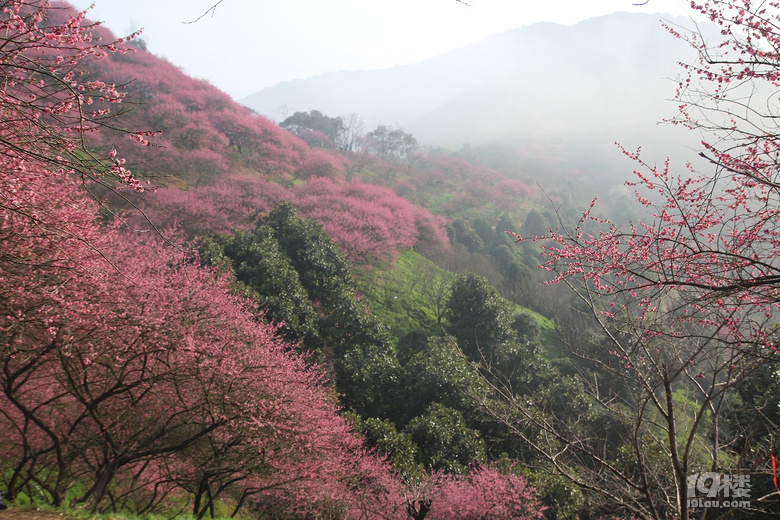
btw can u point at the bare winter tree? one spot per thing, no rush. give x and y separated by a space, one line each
684 303
659 392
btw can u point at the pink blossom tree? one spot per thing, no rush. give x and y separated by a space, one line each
369 222
50 104
485 492
144 377
121 360
48 96
711 237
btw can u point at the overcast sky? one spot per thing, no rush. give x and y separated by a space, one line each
244 46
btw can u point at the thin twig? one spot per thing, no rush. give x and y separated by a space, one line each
209 10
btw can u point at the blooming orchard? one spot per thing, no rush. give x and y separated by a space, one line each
129 374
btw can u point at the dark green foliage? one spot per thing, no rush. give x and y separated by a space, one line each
364 360
479 318
753 415
445 441
535 224
461 233
532 255
262 267
505 224
504 255
300 278
323 270
563 498
397 446
367 378
518 271
315 128
410 344
484 230
326 276
440 373
526 327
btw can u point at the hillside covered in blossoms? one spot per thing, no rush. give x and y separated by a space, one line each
207 313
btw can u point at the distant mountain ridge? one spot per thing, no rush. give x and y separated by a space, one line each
607 78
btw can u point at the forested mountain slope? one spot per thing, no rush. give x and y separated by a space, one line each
203 311
179 336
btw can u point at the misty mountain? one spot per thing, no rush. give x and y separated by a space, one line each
603 80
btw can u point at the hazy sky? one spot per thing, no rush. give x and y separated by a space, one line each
247 45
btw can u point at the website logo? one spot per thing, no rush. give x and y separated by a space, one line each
716 490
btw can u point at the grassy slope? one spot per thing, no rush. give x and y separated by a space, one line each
397 296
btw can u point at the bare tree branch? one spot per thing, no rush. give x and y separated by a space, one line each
211 10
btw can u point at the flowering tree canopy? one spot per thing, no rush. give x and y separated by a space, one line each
131 376
47 97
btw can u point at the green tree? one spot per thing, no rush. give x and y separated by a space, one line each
260 266
440 373
463 234
504 255
479 318
397 446
323 269
326 275
364 359
526 327
315 128
484 230
535 224
505 224
391 143
445 441
751 425
367 377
